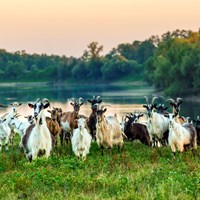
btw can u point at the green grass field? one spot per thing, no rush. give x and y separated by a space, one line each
137 172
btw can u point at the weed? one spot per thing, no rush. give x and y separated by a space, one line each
137 172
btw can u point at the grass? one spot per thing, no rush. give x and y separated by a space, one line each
137 172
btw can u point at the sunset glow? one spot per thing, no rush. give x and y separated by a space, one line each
64 27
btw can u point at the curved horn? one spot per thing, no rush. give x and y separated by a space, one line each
72 100
178 99
98 98
80 100
3 106
172 100
154 98
146 99
46 101
102 106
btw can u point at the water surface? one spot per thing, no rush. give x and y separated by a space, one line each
122 98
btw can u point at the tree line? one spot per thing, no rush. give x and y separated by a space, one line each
169 62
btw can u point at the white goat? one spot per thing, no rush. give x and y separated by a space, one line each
108 130
7 119
19 127
6 130
181 135
81 139
157 124
5 133
37 139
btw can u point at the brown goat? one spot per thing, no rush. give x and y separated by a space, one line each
68 119
53 125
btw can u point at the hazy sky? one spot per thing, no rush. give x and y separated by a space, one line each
66 27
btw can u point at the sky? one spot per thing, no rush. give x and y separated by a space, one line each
66 27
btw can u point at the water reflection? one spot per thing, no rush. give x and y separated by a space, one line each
123 98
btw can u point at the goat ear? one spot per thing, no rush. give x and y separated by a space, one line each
30 105
49 111
81 104
20 104
104 110
165 108
89 101
100 101
155 105
71 103
145 106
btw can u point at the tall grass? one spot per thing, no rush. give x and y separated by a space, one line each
137 172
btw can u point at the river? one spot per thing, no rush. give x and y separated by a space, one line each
122 98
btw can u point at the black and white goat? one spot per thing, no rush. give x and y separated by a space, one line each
91 123
37 139
176 105
157 124
68 119
136 131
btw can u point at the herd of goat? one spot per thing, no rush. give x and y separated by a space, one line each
39 134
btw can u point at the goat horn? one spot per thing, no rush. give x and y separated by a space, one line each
172 100
104 105
154 98
72 100
38 99
101 106
45 100
98 97
146 99
3 106
178 99
93 97
80 100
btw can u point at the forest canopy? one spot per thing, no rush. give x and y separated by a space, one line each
170 62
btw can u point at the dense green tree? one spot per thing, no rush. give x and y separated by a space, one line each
175 62
93 61
14 70
117 67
